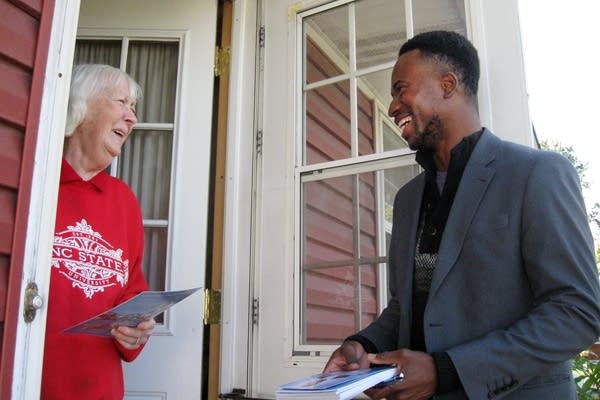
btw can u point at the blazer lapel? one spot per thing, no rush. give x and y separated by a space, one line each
476 177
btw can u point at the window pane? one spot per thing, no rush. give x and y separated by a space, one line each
328 220
155 256
326 41
369 288
380 31
154 66
367 216
394 179
145 164
378 86
365 121
392 140
332 307
327 123
439 14
97 52
329 315
345 237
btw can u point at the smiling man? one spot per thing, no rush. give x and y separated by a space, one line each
493 281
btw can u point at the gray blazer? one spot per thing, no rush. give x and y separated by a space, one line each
515 292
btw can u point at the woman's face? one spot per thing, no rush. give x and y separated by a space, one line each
109 120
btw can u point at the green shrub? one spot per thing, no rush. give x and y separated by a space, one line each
586 370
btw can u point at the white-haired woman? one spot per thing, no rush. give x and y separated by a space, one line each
98 242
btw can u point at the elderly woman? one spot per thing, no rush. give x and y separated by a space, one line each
98 242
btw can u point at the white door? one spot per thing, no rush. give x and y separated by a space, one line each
329 166
154 39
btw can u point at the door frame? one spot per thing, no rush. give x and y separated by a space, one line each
215 269
29 348
238 238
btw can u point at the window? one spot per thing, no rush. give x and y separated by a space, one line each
146 160
351 159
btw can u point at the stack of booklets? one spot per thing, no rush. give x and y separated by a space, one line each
339 385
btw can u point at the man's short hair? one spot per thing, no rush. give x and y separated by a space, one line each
451 49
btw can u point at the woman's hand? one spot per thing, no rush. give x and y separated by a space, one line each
133 338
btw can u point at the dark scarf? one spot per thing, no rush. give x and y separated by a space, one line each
435 207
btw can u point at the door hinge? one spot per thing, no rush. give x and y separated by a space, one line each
259 137
261 37
212 306
255 311
222 57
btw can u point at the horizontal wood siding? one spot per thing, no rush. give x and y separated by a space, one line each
8 207
330 301
18 34
15 86
11 149
24 36
32 7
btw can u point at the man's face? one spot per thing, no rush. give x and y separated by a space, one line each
416 90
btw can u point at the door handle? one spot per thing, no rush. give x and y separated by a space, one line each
33 302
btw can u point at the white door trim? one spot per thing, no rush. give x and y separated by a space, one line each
236 325
29 347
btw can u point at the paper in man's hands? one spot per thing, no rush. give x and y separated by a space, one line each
139 308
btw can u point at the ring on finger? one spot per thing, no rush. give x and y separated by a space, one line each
137 341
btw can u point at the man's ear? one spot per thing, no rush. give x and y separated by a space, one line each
449 83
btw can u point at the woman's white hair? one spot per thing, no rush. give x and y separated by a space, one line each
89 81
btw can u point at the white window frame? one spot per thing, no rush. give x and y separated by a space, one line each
353 164
179 36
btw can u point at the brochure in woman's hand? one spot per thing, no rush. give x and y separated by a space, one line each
139 308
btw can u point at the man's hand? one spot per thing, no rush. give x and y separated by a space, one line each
132 338
420 378
349 356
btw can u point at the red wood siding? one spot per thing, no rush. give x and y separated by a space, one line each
24 36
330 300
328 113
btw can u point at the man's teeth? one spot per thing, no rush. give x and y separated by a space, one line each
404 121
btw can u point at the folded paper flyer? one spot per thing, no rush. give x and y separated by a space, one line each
130 313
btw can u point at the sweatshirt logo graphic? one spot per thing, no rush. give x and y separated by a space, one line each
90 262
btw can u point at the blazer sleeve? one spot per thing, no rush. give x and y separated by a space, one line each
558 258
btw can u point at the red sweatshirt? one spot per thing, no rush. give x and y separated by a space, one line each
96 264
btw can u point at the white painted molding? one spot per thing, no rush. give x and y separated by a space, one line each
29 348
237 238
